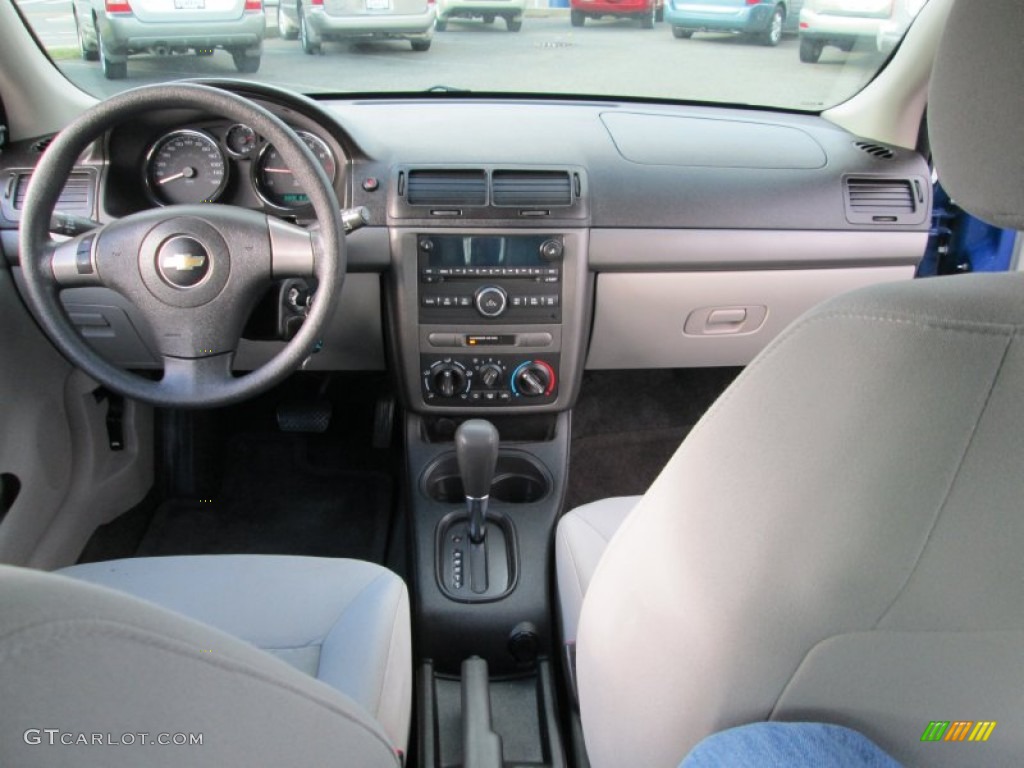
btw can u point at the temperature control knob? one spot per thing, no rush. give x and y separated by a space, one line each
533 379
491 301
447 379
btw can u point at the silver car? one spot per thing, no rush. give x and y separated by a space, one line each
488 10
111 30
841 23
314 21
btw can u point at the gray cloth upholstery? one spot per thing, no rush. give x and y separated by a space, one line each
344 622
85 661
580 540
838 540
831 541
975 113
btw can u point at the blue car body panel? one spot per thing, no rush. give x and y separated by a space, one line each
730 15
961 243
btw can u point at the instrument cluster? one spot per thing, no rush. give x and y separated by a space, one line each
213 161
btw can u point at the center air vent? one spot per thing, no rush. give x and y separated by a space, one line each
447 187
531 188
883 201
489 193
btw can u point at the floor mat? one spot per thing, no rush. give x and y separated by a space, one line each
628 424
619 464
275 499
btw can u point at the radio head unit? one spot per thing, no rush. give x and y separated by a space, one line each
487 278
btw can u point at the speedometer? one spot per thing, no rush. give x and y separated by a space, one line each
186 166
275 181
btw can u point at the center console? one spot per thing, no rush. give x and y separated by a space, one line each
489 304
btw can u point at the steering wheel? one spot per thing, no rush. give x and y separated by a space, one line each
194 271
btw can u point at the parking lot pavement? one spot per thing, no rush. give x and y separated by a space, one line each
606 57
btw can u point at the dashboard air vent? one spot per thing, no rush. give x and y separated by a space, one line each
76 197
531 188
447 187
41 145
875 150
884 201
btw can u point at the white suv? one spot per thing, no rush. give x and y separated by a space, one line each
842 23
488 10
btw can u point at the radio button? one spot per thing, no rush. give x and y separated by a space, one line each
491 301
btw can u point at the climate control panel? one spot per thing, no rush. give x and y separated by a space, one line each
489 380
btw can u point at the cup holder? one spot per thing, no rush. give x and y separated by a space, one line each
517 480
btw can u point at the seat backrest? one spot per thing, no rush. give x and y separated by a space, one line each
92 677
840 538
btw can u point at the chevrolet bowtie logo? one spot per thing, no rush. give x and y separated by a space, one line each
184 262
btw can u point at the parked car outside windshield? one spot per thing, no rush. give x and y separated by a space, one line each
624 50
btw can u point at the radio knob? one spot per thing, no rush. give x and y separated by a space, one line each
448 379
533 379
491 301
490 376
551 249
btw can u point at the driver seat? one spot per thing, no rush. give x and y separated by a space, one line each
179 645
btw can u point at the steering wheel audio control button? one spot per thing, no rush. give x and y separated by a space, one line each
183 262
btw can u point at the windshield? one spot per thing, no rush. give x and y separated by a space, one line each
803 55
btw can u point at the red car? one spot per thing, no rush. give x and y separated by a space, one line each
645 11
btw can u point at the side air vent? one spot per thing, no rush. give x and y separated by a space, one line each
76 197
884 201
447 187
875 150
531 188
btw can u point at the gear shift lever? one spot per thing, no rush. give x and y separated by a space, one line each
476 449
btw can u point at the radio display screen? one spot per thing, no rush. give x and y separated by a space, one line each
486 251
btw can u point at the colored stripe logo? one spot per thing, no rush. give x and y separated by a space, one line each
958 730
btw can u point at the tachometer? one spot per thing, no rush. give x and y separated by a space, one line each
275 181
186 166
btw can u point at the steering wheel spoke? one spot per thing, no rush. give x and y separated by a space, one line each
189 377
293 249
73 261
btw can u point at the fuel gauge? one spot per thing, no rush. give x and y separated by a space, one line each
240 140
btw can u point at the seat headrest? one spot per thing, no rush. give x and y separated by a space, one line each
975 109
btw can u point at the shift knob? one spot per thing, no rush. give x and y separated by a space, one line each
476 448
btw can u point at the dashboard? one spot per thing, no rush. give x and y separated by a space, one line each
512 244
